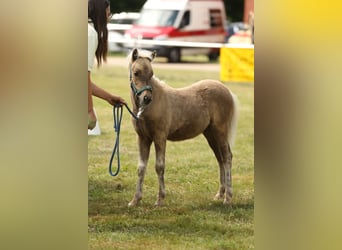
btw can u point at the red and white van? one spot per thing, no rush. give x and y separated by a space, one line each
180 20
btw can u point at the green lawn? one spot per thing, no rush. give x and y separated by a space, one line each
189 219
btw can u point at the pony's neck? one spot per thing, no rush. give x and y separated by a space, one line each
158 84
158 87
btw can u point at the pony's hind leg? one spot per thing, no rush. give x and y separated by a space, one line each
220 193
226 190
224 156
144 152
228 175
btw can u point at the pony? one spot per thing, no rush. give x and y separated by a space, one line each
164 113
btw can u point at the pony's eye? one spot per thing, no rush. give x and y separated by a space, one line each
136 73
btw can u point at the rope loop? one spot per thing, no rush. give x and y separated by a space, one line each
117 114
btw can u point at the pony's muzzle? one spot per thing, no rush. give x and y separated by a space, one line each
145 97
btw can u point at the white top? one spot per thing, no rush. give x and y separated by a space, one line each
92 45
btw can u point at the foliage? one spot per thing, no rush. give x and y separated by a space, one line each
234 9
126 5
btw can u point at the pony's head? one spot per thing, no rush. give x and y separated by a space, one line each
141 72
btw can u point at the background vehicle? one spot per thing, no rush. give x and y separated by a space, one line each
117 26
238 32
181 20
232 28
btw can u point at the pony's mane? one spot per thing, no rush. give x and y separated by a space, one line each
160 83
158 80
148 54
141 53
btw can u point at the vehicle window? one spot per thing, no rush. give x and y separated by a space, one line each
122 21
215 18
185 20
157 17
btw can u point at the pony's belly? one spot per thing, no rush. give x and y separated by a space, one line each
183 134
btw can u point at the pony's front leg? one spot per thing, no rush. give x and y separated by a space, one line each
160 167
144 152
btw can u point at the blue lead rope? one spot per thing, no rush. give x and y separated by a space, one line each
117 114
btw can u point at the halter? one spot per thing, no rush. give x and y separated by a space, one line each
137 92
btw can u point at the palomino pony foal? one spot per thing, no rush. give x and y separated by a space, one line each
165 113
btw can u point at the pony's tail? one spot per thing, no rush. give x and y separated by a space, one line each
233 122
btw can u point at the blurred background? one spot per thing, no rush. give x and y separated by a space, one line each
237 26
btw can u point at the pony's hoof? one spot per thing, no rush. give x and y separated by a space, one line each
158 203
227 201
133 203
218 197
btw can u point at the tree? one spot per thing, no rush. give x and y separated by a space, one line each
117 6
234 10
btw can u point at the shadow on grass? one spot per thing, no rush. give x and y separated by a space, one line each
178 221
111 197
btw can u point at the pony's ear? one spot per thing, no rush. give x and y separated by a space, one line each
135 54
153 55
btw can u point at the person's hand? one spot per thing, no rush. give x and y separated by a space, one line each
91 119
116 100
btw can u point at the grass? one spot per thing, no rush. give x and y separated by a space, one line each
190 219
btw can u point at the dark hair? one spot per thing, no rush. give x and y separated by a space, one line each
97 14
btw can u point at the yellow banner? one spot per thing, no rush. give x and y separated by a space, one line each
237 65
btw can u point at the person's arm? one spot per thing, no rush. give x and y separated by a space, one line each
103 94
91 113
